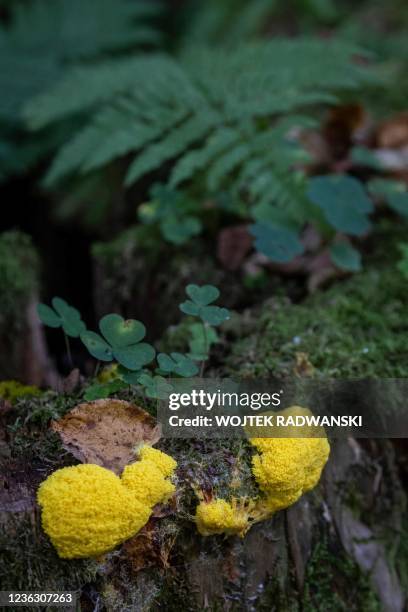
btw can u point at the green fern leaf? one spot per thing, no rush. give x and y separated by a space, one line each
191 131
198 159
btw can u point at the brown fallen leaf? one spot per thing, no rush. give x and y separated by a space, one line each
106 432
234 243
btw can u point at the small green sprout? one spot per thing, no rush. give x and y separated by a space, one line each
199 304
120 340
177 363
155 387
62 315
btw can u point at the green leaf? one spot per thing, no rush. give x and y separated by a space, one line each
383 187
97 346
178 364
343 201
48 316
72 324
189 308
214 315
65 310
202 296
130 377
66 316
200 343
399 203
155 387
120 332
363 156
102 390
276 242
393 192
345 257
180 230
134 357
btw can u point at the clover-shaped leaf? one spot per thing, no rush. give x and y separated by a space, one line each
177 363
202 296
97 346
214 315
136 356
121 341
155 387
62 315
119 332
198 306
129 376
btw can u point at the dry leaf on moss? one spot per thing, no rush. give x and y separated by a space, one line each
106 432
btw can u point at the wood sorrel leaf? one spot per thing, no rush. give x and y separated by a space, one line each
120 332
202 296
97 346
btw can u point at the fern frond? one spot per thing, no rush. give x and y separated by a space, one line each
177 141
44 36
87 87
225 164
198 159
113 133
222 117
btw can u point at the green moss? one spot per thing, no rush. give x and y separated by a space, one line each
29 437
29 561
334 582
136 236
12 390
357 328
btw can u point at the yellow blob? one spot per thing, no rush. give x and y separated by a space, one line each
221 516
285 468
87 510
165 463
147 483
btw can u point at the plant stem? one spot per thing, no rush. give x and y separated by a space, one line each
205 349
98 363
68 348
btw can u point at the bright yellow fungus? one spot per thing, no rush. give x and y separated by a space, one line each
87 510
284 469
221 516
165 463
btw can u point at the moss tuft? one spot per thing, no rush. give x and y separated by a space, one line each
357 328
335 582
12 390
